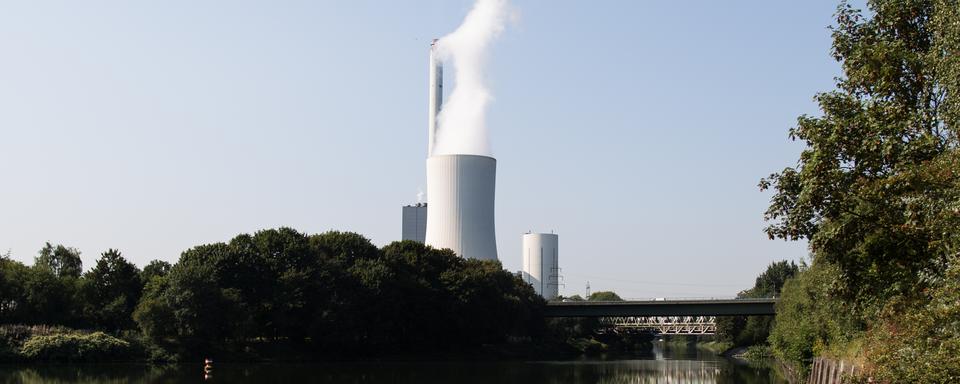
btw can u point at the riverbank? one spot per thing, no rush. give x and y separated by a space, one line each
56 344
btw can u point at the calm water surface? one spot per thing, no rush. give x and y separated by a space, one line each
663 365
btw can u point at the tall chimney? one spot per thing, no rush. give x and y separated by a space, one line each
436 95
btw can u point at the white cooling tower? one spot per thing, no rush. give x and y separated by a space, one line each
460 194
541 267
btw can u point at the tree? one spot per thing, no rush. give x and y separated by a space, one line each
859 188
811 320
751 330
604 296
112 290
156 268
877 191
280 284
62 261
189 306
345 246
50 299
14 306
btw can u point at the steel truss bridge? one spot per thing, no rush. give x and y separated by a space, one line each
675 317
665 325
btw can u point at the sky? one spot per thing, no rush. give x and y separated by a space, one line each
637 131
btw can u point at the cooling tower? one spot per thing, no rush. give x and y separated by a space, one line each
460 194
541 267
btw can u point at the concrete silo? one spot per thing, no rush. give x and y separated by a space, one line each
541 267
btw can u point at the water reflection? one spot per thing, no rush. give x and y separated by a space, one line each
673 366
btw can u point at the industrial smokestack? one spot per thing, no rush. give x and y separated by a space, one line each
436 95
461 176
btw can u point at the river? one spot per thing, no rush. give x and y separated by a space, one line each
662 365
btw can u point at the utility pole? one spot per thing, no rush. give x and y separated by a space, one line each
588 291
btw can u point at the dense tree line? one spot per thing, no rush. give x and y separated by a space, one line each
55 291
327 292
754 330
876 192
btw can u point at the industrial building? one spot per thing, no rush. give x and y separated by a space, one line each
541 263
414 225
461 192
460 189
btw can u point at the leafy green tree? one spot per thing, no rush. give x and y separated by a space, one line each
876 188
61 260
345 246
770 282
604 296
811 320
14 306
752 330
189 307
156 268
112 290
50 299
857 192
153 314
280 284
923 345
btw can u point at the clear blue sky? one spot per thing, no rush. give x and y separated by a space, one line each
636 130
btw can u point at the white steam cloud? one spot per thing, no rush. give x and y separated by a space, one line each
461 127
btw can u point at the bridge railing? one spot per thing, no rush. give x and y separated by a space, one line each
687 307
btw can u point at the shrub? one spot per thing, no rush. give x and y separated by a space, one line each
811 320
96 346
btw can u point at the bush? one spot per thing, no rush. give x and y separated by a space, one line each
96 346
588 346
920 343
14 335
811 320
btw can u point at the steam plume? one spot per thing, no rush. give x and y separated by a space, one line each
461 123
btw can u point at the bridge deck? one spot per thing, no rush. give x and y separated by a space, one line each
724 307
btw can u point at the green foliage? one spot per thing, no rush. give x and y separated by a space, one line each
96 346
111 291
921 344
756 353
877 193
156 268
49 299
13 304
861 191
329 292
335 291
62 261
771 281
753 330
604 296
588 346
810 318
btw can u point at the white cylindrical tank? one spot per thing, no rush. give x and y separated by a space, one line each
541 267
460 194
